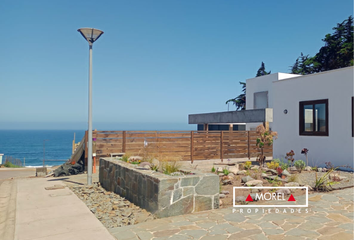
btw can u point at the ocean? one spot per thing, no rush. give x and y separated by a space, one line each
27 145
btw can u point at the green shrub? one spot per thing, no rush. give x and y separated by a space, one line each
11 165
284 165
213 169
154 167
170 167
241 166
300 165
275 182
125 158
323 183
272 165
248 165
292 178
226 172
277 160
280 163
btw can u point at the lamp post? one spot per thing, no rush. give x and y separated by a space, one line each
44 151
91 35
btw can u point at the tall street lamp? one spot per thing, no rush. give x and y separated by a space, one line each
91 35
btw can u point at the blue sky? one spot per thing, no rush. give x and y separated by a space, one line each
157 61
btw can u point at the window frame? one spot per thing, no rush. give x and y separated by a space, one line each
254 99
302 131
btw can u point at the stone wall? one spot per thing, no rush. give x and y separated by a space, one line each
160 194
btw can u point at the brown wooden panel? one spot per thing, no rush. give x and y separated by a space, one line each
207 137
174 135
105 145
197 144
185 145
173 148
205 144
105 132
240 139
141 135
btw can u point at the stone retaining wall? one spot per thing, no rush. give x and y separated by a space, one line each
161 194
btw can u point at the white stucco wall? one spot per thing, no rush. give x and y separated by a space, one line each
261 84
336 86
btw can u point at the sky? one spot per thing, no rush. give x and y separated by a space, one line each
156 62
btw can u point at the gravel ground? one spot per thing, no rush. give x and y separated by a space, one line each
110 208
309 178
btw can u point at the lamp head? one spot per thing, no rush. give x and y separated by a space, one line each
90 34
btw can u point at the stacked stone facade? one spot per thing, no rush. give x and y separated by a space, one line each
160 194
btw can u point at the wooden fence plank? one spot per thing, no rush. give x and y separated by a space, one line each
193 145
124 142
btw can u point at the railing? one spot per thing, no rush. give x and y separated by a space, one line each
187 145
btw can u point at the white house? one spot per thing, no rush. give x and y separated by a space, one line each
313 111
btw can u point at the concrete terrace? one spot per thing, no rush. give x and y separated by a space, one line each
330 217
29 211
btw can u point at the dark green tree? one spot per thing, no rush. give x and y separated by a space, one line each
303 65
240 100
337 51
261 71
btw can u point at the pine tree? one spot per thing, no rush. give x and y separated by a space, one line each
240 100
261 71
336 53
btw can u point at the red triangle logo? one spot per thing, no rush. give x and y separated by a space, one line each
249 198
291 198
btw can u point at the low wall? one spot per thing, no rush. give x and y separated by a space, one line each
160 194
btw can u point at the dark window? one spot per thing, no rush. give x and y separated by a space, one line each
314 118
239 127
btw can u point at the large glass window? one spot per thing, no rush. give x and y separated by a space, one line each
314 117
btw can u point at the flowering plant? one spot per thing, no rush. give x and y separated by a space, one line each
264 137
134 161
305 151
290 156
279 170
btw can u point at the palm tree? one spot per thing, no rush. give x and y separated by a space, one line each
240 100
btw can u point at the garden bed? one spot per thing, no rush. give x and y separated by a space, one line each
252 176
161 194
309 178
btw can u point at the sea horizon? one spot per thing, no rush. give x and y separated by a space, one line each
31 146
100 126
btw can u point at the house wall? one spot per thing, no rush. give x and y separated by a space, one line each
261 84
336 86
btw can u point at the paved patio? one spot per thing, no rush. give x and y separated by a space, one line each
330 216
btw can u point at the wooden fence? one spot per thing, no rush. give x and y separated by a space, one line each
187 145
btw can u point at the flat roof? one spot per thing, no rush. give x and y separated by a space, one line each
244 116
